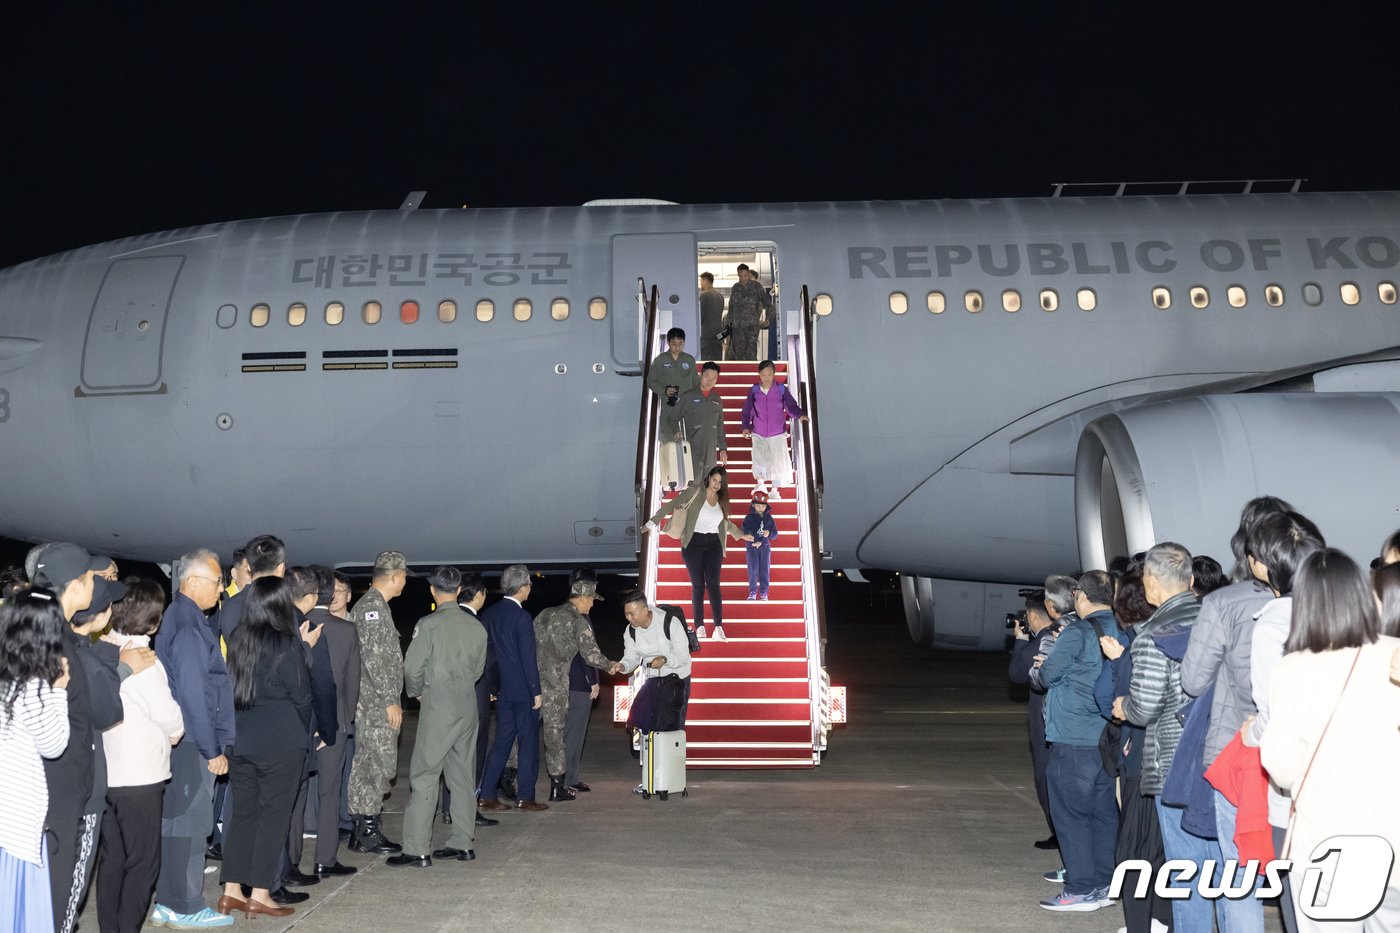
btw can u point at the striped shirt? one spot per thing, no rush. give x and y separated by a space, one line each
39 728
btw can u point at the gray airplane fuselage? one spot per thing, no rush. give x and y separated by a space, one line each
142 413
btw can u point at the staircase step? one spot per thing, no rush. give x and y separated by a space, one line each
783 649
704 666
736 732
758 688
763 628
751 708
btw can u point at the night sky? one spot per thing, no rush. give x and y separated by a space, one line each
119 122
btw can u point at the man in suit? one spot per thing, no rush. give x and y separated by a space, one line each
512 633
342 641
442 666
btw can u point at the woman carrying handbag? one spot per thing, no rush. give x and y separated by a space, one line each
700 520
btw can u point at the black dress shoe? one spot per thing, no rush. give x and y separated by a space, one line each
297 880
1051 843
403 858
461 855
335 868
485 820
214 852
581 787
287 898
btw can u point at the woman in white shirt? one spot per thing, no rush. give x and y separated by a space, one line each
1333 742
704 534
33 726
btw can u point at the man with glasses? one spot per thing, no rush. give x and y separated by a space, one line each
200 684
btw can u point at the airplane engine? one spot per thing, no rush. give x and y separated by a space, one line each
1181 470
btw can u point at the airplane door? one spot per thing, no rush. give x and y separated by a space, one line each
126 332
668 261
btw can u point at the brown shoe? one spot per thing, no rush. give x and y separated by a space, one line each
228 905
530 806
491 803
258 907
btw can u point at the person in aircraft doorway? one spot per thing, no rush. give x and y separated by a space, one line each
748 302
702 534
711 318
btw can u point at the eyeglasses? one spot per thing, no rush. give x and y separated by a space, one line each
217 581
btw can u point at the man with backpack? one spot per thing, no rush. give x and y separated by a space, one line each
659 640
1082 803
561 634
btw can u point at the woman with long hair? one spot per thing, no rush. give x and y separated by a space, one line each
704 534
33 726
272 719
1333 737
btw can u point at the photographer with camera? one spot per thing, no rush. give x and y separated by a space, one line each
1033 626
673 372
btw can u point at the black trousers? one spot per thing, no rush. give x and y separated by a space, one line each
703 557
1040 759
264 789
129 859
73 839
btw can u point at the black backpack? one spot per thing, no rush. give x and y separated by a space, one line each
673 612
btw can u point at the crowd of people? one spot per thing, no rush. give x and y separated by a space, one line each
693 412
1178 715
141 741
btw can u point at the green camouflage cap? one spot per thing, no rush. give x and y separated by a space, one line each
390 562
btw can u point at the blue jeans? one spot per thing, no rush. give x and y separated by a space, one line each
759 559
1194 912
1246 914
1085 816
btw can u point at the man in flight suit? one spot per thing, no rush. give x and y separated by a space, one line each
561 634
378 715
702 410
673 372
443 664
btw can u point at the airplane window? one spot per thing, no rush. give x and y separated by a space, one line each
972 301
822 305
335 313
408 312
559 308
1162 297
597 308
1011 300
1386 292
447 311
485 309
296 314
1312 294
1273 295
260 315
1350 293
371 311
1049 299
226 316
521 309
899 302
1200 298
1235 296
1088 301
937 303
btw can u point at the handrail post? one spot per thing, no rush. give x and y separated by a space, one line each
646 434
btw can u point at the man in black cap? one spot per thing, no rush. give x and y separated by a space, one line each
77 779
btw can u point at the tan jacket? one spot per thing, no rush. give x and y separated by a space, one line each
692 497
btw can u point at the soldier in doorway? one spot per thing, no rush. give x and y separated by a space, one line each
748 300
711 318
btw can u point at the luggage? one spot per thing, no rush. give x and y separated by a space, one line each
677 467
657 705
663 764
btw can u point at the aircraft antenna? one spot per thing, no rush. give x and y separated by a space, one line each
414 199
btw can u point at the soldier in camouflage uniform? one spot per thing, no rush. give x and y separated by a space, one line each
378 715
561 632
746 301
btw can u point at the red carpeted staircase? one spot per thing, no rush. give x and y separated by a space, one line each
752 697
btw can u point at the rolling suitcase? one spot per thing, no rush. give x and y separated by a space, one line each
677 467
663 764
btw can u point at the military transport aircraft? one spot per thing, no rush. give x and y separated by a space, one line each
1006 387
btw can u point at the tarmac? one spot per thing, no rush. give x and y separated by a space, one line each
921 818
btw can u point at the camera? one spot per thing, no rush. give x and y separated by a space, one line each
1017 620
671 399
726 333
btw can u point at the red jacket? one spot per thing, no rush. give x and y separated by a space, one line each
1242 780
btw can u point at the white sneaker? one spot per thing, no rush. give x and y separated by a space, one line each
700 631
774 496
719 633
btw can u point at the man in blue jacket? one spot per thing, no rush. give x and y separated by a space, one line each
1081 793
200 684
511 631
